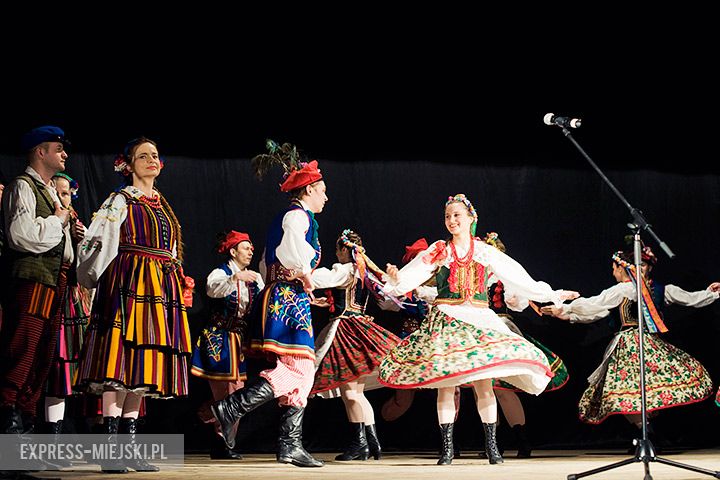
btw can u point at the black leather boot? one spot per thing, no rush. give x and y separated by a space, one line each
220 451
447 453
129 427
373 441
358 449
110 426
491 448
55 429
524 450
290 448
11 420
233 407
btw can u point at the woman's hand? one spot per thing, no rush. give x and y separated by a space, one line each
714 287
321 302
568 295
555 312
392 272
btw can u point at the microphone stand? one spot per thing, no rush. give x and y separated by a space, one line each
644 450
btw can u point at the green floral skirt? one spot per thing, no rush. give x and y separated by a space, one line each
672 378
447 352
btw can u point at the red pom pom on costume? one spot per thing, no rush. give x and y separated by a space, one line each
411 251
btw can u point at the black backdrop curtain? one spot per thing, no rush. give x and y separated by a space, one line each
561 224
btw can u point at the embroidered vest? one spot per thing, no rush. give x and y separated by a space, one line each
275 270
459 284
628 307
350 300
224 311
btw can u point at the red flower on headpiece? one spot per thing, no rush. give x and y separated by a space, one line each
411 251
309 173
231 240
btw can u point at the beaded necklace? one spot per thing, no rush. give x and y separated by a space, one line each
152 202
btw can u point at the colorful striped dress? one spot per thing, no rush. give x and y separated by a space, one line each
138 338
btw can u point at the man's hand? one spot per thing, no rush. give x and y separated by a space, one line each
246 276
392 272
77 230
62 213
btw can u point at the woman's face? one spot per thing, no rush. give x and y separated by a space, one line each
457 219
62 186
343 254
145 162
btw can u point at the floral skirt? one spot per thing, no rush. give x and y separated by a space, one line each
672 378
557 367
357 348
446 352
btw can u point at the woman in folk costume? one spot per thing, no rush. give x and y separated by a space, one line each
673 377
284 330
506 393
350 349
218 355
138 340
74 313
462 340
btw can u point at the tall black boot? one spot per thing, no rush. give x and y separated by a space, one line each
11 420
446 433
290 448
373 441
524 450
231 409
110 426
220 451
55 429
358 448
129 426
491 448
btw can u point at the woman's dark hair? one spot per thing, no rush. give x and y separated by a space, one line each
352 236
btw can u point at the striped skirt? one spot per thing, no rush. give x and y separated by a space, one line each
138 338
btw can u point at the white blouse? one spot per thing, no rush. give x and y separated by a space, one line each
507 270
219 285
24 231
588 310
294 252
340 276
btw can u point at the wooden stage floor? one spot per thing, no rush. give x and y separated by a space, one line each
545 464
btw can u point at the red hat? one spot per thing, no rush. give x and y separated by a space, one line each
231 240
309 173
412 250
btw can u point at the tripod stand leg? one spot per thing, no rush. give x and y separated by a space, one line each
574 476
673 463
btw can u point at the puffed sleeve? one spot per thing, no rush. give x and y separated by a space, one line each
588 310
294 252
697 299
341 275
102 238
25 231
219 284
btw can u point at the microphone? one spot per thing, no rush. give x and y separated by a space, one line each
565 122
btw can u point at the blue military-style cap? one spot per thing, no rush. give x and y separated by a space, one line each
47 133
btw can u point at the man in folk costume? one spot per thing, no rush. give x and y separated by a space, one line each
284 330
36 257
218 356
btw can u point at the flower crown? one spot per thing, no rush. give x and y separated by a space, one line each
461 198
619 260
348 243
